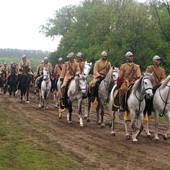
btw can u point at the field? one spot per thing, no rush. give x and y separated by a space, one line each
33 138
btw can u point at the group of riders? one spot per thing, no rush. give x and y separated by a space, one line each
129 72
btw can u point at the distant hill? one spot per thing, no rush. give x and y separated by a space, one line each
38 54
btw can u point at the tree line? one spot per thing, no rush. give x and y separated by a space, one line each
14 55
116 26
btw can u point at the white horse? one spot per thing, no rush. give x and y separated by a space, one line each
45 88
76 91
103 94
161 104
136 104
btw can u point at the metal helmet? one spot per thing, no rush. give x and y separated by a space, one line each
12 63
128 54
24 56
156 57
104 54
60 59
70 55
79 54
45 58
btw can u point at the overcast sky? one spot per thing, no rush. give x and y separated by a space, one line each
21 20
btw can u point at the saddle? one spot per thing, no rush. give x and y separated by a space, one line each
116 104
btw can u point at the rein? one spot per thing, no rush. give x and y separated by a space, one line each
142 96
161 114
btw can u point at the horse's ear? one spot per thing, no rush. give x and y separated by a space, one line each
85 62
90 63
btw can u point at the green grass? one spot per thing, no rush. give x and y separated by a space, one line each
22 148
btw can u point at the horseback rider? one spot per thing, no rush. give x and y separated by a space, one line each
101 68
129 72
22 64
58 68
45 64
70 70
80 61
12 70
158 76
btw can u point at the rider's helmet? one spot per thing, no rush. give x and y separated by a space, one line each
70 56
60 59
24 57
45 60
128 54
79 55
104 55
156 57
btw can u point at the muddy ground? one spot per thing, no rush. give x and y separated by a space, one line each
92 144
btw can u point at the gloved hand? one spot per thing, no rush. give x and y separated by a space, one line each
61 80
100 77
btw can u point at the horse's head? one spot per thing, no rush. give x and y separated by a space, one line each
115 73
86 69
147 85
46 74
82 83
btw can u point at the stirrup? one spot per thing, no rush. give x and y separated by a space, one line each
61 110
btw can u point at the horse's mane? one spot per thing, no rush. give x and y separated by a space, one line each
109 75
165 82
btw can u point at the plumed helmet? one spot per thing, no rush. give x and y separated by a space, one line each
24 56
156 57
45 58
104 54
79 54
70 55
128 54
60 59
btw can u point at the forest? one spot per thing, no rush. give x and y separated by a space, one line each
14 55
116 26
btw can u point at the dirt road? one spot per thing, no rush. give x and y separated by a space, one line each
90 144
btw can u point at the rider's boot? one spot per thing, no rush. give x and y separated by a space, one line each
92 91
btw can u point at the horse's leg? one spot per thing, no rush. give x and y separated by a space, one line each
88 110
132 123
140 126
69 114
113 123
156 125
97 112
27 95
147 129
80 111
167 132
102 114
137 129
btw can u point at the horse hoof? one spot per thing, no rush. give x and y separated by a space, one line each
164 137
113 133
128 137
81 125
102 125
134 140
69 121
148 135
60 116
28 102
